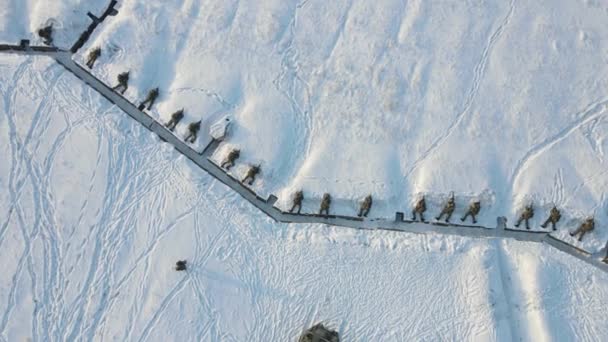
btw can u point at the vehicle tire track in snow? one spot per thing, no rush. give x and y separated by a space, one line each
505 281
478 75
590 113
166 301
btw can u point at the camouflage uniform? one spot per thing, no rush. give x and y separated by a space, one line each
448 209
474 209
554 216
229 161
93 55
46 33
325 203
526 215
175 119
251 173
297 201
584 228
152 95
365 206
123 82
193 129
420 208
180 265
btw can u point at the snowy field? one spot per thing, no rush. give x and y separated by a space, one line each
503 101
21 19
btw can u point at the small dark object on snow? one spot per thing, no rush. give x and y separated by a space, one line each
193 129
474 209
448 209
584 228
325 203
46 33
180 265
297 201
526 215
229 161
152 95
175 119
419 209
123 82
251 173
318 333
366 205
93 55
554 216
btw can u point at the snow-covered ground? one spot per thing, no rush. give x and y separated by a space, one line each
505 101
21 19
97 210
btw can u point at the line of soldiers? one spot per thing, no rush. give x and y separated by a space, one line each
230 160
447 210
148 102
298 197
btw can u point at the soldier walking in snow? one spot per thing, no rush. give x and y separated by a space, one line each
193 129
123 82
366 205
526 215
229 161
474 209
175 119
325 203
180 265
46 33
584 228
93 55
152 95
297 201
419 208
251 173
554 216
448 209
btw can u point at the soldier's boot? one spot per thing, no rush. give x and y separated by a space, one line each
365 212
580 238
544 225
251 180
192 137
438 217
465 216
474 218
90 63
553 224
188 137
518 222
527 224
120 86
414 215
360 212
447 219
151 103
171 124
294 208
422 217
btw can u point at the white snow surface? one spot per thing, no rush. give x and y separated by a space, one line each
504 101
21 19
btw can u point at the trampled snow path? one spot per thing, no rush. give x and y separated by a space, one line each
267 205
